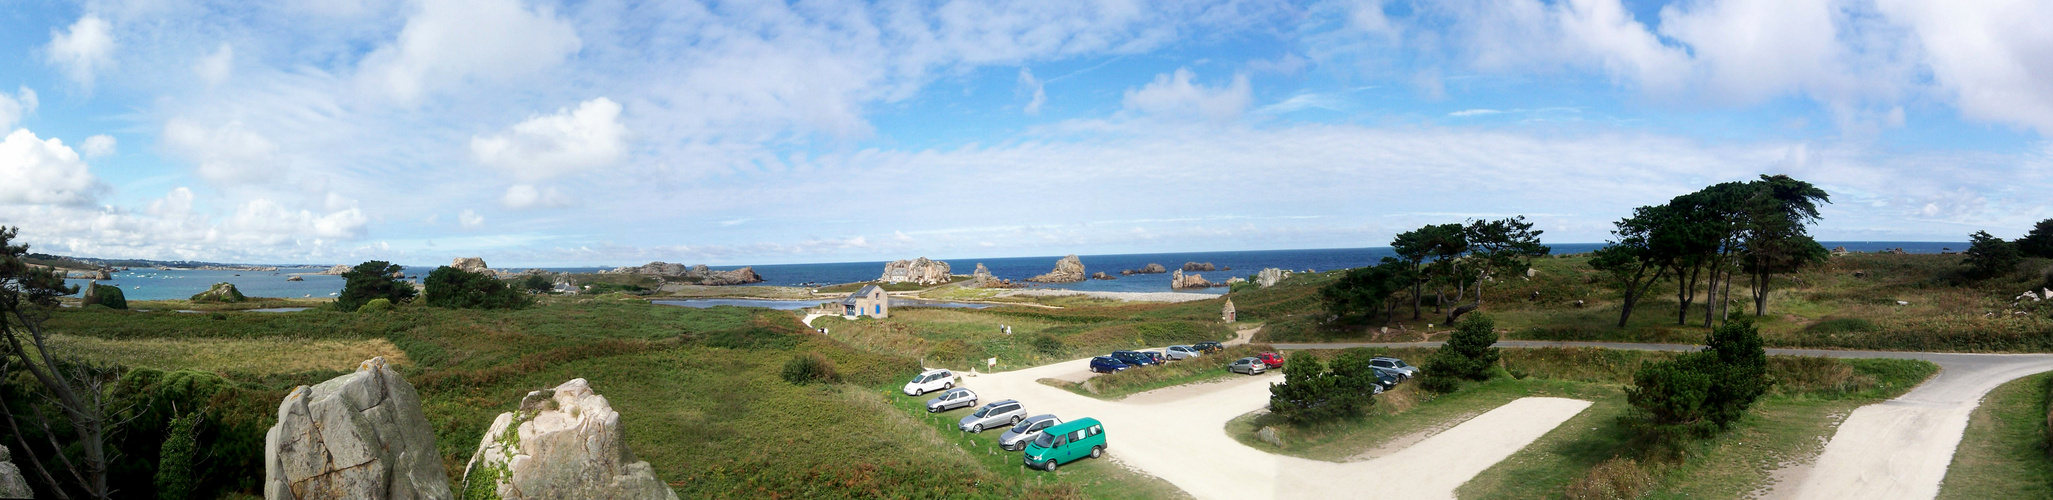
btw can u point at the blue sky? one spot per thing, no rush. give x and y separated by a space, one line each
607 133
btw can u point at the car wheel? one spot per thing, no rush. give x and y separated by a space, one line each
1016 419
1049 465
1097 451
947 386
974 429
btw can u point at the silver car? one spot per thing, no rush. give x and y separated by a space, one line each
1250 366
1182 352
960 397
1016 438
1002 413
1394 364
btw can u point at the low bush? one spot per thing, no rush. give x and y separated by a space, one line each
808 368
1467 355
379 304
1313 393
454 288
1843 325
178 457
1699 394
1614 479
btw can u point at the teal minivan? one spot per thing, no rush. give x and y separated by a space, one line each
1066 442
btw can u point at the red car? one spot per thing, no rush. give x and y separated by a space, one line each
1274 360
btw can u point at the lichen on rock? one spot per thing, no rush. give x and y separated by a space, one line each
565 442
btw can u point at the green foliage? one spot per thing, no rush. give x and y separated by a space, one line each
372 280
1047 344
1990 257
1701 393
1843 325
2039 242
536 283
453 288
177 477
1468 354
110 296
1367 291
1312 393
808 368
379 304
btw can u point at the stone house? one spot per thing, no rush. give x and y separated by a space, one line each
1226 313
870 301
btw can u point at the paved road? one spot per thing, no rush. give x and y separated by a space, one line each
1896 449
1178 434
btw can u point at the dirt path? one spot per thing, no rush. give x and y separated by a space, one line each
1894 449
1177 434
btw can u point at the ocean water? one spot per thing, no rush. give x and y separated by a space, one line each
153 284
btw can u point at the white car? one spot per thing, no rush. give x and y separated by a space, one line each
1181 352
938 379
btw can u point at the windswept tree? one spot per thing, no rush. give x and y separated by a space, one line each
375 279
1704 239
2038 242
1431 252
1989 256
1368 291
1503 247
1646 251
1777 239
77 389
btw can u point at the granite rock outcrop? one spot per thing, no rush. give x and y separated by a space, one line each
921 271
1068 270
1198 266
472 264
12 484
360 436
565 442
699 274
1151 268
1185 281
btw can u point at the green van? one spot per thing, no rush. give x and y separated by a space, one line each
1066 442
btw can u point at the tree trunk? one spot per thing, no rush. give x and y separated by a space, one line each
1761 293
1460 310
1685 292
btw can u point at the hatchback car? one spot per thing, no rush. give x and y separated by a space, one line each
1066 442
1107 364
1250 366
1182 352
1135 358
954 398
999 414
1387 379
938 379
1274 360
1208 347
1395 364
1016 438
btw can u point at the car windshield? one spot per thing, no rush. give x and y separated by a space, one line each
1045 440
1400 364
1023 427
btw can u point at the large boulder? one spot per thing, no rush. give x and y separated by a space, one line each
1269 276
1199 266
1151 268
1181 281
1068 270
338 270
220 292
921 270
562 443
12 485
472 264
360 435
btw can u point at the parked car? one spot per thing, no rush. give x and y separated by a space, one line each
954 398
1016 438
1108 364
1156 355
1274 360
999 414
1135 358
1182 352
1209 347
1250 366
1387 379
938 379
1066 442
1395 364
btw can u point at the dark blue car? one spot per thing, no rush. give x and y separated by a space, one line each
1107 364
1135 358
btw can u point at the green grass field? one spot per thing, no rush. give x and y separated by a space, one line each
2003 453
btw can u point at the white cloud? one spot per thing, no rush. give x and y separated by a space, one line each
35 171
557 144
1993 58
227 154
1473 112
1174 95
14 108
1029 84
265 221
450 42
470 219
83 49
521 196
99 146
216 67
